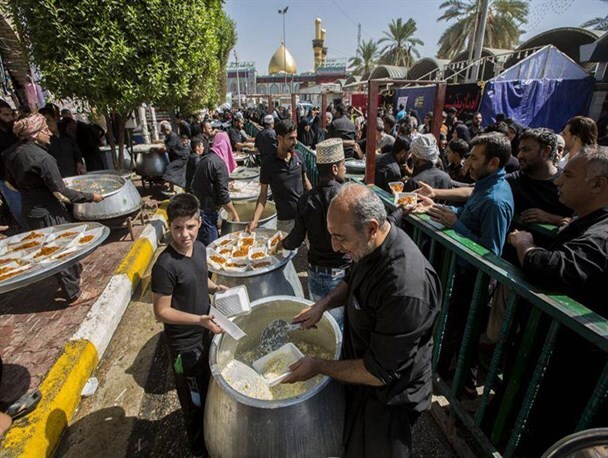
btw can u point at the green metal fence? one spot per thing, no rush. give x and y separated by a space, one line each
446 247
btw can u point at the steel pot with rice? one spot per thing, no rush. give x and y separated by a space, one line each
304 419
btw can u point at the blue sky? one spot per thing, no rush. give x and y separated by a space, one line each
260 28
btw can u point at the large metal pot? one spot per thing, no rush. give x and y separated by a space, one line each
124 202
245 209
309 425
152 162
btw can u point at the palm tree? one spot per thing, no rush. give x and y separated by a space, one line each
365 59
401 45
598 23
505 17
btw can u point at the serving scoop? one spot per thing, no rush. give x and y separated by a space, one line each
274 336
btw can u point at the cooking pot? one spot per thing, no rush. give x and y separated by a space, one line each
308 425
126 201
245 209
152 162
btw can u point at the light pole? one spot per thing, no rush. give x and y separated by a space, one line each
283 12
238 84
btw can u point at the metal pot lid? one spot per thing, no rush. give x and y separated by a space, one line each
126 174
106 185
244 173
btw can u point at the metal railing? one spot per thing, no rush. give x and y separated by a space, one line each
445 250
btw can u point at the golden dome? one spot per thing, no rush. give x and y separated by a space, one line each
278 65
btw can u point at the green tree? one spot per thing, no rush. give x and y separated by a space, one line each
366 58
598 23
116 55
503 29
400 48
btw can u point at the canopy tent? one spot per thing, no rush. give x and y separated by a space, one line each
543 90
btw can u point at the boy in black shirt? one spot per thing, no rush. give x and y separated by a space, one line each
181 301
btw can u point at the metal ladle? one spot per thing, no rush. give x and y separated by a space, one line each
274 336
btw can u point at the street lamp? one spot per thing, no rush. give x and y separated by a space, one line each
283 12
238 84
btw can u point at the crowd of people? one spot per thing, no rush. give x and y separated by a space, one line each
487 184
497 181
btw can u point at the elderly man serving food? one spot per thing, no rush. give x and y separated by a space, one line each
392 297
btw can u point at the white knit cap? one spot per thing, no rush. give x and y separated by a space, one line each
425 147
330 151
268 119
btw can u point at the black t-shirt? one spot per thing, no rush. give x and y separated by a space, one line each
387 170
432 176
185 280
235 136
311 220
530 193
286 183
266 143
343 128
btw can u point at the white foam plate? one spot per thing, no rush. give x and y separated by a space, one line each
222 320
233 302
289 351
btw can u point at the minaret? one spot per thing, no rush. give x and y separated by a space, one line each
317 44
324 50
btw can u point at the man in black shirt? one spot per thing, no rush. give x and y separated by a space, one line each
284 172
388 166
238 139
266 139
425 154
183 127
575 264
210 186
392 296
181 291
342 127
326 268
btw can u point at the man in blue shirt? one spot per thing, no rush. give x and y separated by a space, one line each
485 219
486 216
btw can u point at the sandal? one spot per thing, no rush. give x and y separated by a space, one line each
24 405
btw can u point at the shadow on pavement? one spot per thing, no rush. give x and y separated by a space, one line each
151 381
15 383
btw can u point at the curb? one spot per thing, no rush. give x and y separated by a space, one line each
40 432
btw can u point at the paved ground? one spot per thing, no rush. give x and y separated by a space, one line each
35 323
135 411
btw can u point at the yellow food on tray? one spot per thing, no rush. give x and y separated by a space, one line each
261 264
396 187
217 259
11 274
66 235
32 236
225 251
241 252
25 246
225 242
408 200
258 255
234 265
247 241
46 251
7 260
86 239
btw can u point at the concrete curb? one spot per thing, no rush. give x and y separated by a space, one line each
40 432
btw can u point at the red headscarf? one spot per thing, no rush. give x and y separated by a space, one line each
28 128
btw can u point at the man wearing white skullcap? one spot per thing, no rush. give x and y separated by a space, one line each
326 267
266 139
425 154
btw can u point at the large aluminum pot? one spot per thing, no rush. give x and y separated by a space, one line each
124 202
151 163
309 425
245 209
